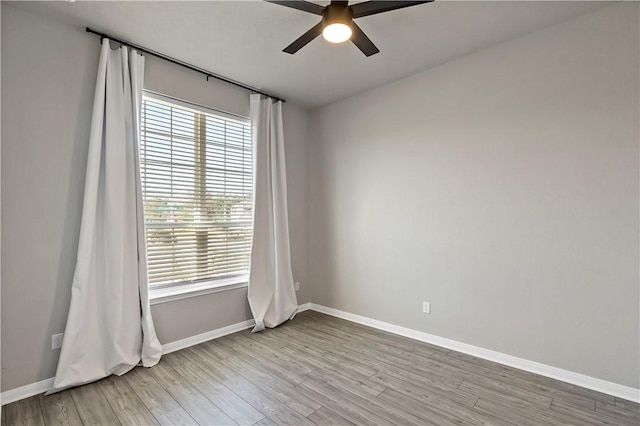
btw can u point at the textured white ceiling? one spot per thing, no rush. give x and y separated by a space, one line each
243 40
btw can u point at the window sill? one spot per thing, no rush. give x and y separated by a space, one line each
169 294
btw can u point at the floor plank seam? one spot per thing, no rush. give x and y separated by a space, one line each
315 411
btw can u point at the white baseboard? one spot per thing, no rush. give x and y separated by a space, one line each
204 337
599 385
26 391
304 307
588 382
214 334
37 388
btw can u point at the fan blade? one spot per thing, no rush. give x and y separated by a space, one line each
360 39
304 39
373 7
304 6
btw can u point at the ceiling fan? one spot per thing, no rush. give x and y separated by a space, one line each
337 24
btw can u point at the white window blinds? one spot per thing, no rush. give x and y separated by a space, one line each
196 171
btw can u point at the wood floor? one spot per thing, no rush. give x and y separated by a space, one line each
321 370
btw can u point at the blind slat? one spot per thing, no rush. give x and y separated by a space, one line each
197 187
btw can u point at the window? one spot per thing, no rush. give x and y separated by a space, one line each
196 169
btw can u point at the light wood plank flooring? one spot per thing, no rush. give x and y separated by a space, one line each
321 370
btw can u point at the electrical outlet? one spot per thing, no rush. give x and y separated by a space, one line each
426 307
56 341
297 285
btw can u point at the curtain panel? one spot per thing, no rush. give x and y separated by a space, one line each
109 328
271 293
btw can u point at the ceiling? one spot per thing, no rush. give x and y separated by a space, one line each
243 40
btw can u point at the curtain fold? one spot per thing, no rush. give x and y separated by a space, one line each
109 327
271 293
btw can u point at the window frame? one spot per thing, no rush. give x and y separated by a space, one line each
188 289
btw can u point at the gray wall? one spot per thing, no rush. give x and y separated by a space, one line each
502 188
48 78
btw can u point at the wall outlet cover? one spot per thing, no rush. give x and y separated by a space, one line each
56 341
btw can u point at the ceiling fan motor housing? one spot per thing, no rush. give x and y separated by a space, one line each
337 14
337 25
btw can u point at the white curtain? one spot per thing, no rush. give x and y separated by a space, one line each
272 296
109 328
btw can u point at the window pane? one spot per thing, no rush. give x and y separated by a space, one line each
197 187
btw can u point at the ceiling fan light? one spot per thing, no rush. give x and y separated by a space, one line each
337 32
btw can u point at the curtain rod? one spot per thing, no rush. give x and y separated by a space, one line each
182 64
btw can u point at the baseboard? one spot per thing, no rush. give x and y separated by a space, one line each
204 337
599 385
214 334
37 388
26 391
610 388
304 307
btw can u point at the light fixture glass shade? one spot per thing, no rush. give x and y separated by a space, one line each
337 32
